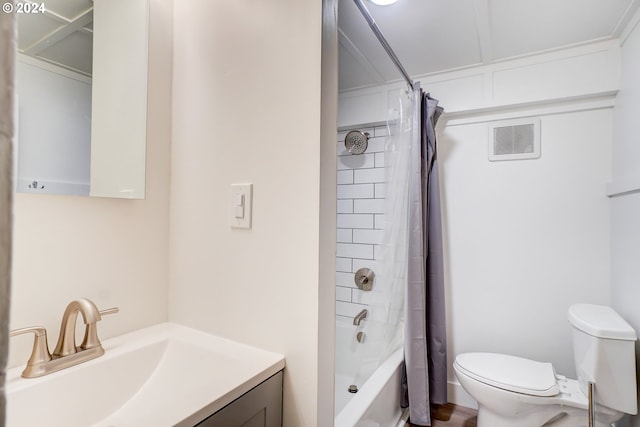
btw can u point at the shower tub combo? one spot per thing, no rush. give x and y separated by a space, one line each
377 401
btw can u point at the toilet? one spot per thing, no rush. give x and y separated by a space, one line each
516 392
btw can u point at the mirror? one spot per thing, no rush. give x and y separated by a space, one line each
81 85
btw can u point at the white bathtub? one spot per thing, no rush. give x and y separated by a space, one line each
377 402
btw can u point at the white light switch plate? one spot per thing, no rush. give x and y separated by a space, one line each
240 205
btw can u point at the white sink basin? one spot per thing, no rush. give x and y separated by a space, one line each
164 375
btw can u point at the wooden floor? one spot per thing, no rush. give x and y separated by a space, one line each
450 415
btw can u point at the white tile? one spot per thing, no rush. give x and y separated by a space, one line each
374 206
361 297
377 251
345 279
345 235
355 191
366 263
345 176
341 135
376 145
363 176
351 250
368 236
378 221
379 160
343 264
380 190
356 161
355 221
349 309
343 294
345 206
381 131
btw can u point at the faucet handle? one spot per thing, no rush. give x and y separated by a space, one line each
40 352
91 339
112 310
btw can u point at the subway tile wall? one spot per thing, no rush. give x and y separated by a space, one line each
360 217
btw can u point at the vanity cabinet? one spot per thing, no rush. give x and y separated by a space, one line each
259 407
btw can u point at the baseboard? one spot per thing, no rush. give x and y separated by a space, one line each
457 396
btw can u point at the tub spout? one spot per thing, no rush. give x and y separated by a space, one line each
359 317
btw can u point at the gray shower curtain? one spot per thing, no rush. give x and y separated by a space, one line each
7 80
425 331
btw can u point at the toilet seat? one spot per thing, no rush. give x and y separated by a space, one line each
510 373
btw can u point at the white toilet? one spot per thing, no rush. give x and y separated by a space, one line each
516 392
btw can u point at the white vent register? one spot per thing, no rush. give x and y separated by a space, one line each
516 139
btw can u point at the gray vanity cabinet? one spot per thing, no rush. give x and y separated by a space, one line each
259 407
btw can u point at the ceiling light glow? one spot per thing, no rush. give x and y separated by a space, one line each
383 2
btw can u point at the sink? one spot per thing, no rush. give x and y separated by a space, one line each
164 375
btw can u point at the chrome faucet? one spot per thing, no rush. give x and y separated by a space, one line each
66 353
359 317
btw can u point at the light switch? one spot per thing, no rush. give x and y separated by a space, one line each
240 205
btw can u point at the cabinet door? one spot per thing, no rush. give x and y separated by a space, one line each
259 407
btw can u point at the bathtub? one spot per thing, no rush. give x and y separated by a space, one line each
377 402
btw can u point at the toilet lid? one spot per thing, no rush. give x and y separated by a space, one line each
510 373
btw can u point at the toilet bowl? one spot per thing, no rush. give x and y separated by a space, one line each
516 392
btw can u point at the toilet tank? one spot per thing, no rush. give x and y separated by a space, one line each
604 352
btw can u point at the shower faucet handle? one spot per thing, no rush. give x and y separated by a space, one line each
364 279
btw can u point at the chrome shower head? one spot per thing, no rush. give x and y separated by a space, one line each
356 142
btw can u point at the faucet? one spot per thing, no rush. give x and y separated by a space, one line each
67 338
359 317
66 353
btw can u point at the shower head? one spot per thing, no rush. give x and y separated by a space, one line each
356 142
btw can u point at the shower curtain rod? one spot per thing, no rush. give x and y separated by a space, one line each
376 30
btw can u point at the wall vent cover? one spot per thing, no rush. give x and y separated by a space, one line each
514 139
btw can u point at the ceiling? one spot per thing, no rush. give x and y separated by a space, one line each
62 35
430 36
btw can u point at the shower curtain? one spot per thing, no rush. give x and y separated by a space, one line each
383 328
7 64
425 333
408 293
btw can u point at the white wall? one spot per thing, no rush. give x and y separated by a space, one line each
589 70
523 239
110 250
241 115
625 208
